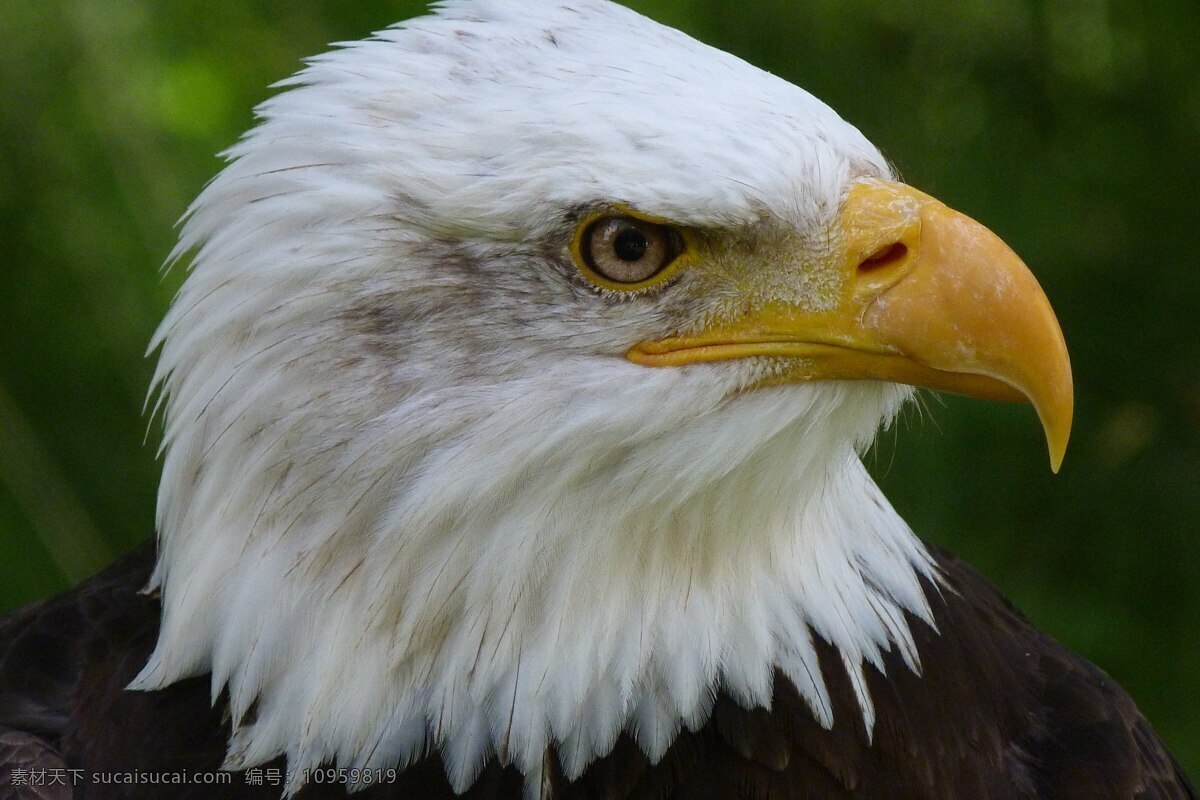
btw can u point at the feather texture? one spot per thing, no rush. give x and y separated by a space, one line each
413 496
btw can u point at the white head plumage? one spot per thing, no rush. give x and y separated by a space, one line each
413 495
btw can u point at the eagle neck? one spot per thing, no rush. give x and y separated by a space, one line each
515 592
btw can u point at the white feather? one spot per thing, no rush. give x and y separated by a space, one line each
414 497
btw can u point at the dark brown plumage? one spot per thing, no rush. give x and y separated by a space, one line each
1000 712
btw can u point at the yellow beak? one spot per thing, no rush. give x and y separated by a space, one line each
929 298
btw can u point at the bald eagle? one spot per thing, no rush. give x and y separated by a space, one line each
513 406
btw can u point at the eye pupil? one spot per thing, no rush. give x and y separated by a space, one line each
630 244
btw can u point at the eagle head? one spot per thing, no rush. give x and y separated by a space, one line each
515 395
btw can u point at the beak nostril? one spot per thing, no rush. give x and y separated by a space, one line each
883 258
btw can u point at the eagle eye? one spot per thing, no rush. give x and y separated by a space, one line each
626 250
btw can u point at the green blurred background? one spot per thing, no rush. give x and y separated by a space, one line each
1069 126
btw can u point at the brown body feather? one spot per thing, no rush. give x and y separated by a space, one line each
999 712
